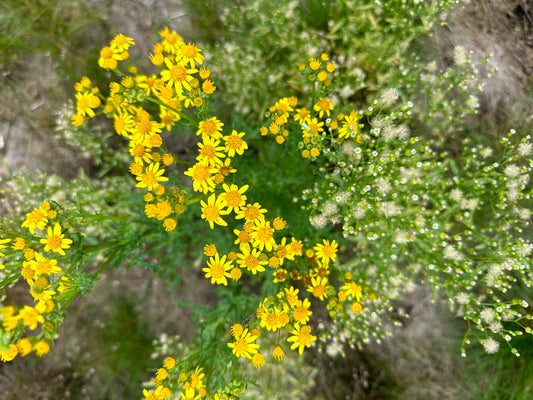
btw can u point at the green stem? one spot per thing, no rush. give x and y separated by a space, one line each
182 114
9 280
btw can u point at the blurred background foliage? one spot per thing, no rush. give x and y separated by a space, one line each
253 49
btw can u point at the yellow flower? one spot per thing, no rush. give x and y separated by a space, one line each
235 144
356 307
55 240
258 360
244 346
151 177
251 212
327 251
352 289
350 126
318 287
169 362
170 224
191 54
301 312
301 338
32 316
236 329
262 235
35 220
9 354
42 265
24 347
109 58
121 43
314 63
213 210
211 127
208 87
210 250
233 197
217 269
323 106
178 76
278 353
252 260
210 152
202 177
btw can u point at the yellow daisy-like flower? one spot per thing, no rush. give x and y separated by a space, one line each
42 265
35 220
55 240
217 269
302 115
251 212
170 224
236 330
32 316
109 58
292 295
323 106
327 251
208 87
202 177
140 152
262 235
210 152
210 250
301 312
151 177
313 128
252 260
353 289
357 307
301 338
212 211
244 346
235 143
234 197
191 54
318 287
350 126
178 76
243 239
211 127
121 43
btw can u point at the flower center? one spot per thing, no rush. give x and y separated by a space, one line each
209 127
217 271
211 212
233 198
201 173
251 262
178 73
264 234
54 242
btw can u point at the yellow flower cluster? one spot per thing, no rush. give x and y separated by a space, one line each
179 86
315 123
192 383
44 278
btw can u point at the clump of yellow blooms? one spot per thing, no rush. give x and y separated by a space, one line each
142 108
317 122
29 258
